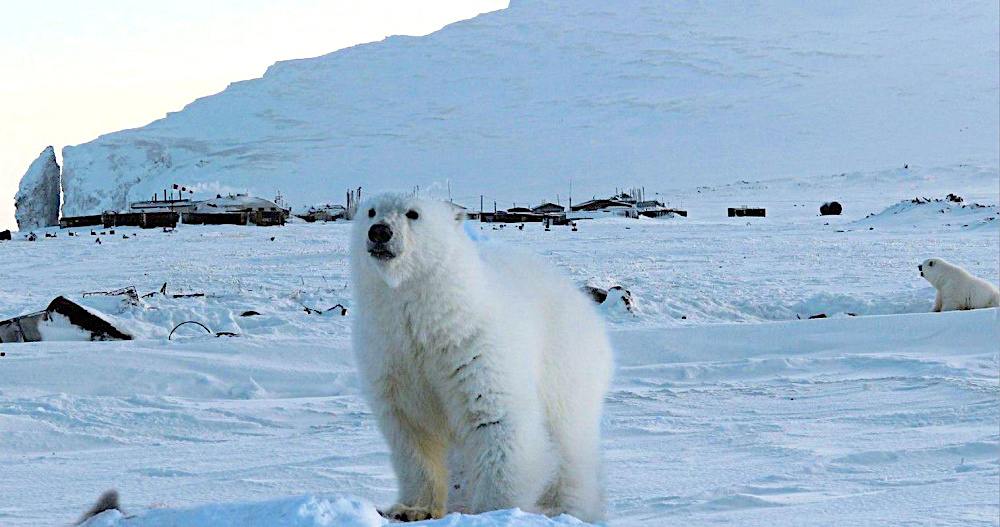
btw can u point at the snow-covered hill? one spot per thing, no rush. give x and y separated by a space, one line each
917 213
514 104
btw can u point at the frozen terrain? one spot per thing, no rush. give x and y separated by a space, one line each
725 407
514 104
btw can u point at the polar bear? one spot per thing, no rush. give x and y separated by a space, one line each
488 356
956 288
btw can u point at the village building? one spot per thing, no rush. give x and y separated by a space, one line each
656 209
603 207
601 204
549 208
236 209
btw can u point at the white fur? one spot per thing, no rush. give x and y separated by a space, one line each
495 355
956 288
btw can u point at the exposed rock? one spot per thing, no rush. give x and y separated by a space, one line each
37 198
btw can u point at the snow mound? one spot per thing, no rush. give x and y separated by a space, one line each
512 103
309 511
925 214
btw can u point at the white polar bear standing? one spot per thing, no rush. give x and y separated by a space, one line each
956 288
495 355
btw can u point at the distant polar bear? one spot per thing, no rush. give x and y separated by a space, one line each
492 355
956 288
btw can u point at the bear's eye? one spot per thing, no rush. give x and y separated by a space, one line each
371 213
412 214
930 263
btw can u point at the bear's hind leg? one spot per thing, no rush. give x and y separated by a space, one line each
509 460
577 486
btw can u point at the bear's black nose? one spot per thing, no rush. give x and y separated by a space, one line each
920 267
380 233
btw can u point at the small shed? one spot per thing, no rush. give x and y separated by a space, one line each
741 212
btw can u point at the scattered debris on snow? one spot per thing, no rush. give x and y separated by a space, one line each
63 319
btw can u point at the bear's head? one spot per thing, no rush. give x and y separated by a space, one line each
399 237
933 268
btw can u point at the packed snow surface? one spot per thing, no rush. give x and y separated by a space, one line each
725 407
514 104
311 511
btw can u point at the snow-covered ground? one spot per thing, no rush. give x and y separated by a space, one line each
725 407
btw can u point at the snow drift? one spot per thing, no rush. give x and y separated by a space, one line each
515 103
925 214
310 511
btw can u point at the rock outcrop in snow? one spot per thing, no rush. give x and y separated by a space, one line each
37 198
516 103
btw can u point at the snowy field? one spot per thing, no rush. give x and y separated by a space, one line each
725 407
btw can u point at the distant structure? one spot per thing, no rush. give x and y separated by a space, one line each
741 212
80 221
236 209
174 208
548 208
353 200
605 204
325 212
655 209
146 220
624 204
832 208
551 213
514 215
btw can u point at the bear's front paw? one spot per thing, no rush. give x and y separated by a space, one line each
407 513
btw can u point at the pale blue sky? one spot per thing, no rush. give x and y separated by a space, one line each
72 70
